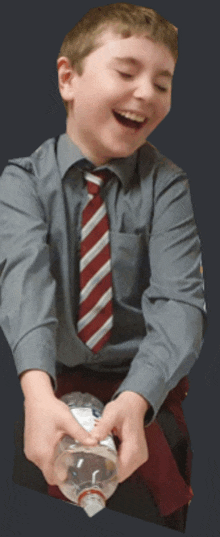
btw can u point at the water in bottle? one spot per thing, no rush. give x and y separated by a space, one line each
86 475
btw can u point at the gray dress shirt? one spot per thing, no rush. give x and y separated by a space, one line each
156 266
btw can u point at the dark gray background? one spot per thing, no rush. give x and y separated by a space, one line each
31 112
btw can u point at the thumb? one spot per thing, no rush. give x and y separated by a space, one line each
76 431
103 427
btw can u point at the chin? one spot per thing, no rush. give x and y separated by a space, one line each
125 152
120 151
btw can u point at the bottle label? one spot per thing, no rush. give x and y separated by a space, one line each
87 417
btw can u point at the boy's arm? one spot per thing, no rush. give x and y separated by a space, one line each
28 317
173 308
173 305
28 314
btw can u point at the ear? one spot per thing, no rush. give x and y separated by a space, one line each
65 78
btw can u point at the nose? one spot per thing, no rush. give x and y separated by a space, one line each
145 90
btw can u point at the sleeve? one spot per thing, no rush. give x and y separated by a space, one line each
173 304
27 290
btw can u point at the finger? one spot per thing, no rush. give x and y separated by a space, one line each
130 456
43 459
49 473
49 476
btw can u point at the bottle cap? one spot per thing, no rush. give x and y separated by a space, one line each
92 503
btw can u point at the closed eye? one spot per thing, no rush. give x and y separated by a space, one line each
161 88
125 75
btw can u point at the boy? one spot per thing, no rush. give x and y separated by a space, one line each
115 75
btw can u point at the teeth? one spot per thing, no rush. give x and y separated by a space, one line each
132 116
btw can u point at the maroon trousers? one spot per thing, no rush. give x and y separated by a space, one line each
166 474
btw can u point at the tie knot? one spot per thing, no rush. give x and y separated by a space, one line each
95 181
92 188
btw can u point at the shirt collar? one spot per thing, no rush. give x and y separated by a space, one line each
68 155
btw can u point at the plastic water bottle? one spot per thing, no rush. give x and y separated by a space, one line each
86 475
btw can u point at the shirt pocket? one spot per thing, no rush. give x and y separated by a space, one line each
130 267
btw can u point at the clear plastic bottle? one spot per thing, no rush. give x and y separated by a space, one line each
86 475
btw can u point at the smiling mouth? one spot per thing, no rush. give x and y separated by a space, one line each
127 119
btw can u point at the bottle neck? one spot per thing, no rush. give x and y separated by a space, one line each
92 501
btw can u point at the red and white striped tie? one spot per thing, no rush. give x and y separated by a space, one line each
95 318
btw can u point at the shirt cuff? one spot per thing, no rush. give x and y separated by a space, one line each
153 390
37 350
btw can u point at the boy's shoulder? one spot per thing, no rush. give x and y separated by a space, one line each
34 164
151 160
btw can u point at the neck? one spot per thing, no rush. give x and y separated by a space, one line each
86 153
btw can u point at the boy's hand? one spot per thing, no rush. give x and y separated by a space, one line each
125 418
45 425
47 420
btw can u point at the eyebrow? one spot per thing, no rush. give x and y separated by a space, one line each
165 73
127 59
132 61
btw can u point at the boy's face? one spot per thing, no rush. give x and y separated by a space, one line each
122 95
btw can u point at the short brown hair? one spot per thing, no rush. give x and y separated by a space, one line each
125 19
